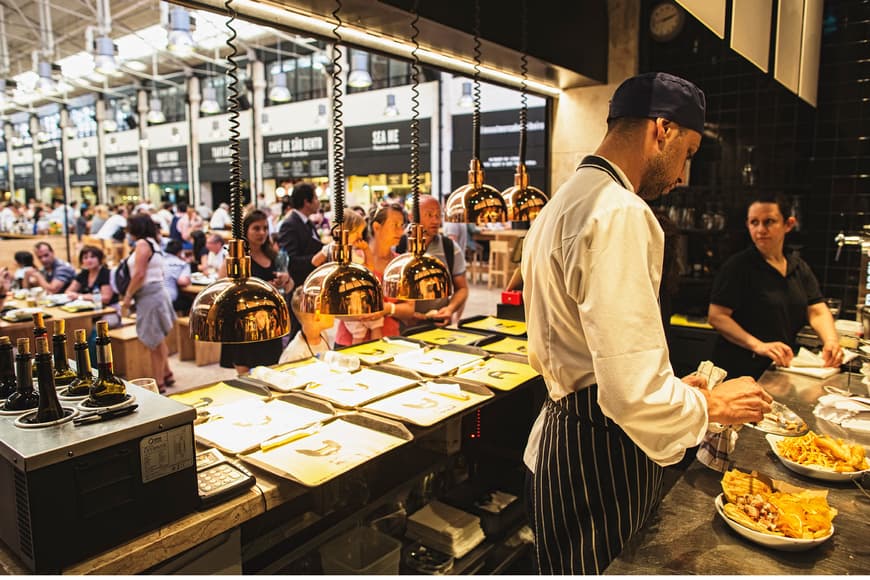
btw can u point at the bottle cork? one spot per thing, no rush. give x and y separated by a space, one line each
38 320
81 335
23 346
4 340
60 327
102 329
42 345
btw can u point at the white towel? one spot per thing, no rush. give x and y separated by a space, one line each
843 411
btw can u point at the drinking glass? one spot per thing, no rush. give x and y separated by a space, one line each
148 384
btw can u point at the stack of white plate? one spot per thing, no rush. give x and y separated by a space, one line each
446 529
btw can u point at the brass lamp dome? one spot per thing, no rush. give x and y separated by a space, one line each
524 202
239 308
415 276
475 202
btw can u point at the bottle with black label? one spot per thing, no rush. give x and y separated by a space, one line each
108 389
39 329
84 376
49 408
7 368
24 396
63 375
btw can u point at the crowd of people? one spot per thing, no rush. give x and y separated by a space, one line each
170 244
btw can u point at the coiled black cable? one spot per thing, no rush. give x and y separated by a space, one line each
235 135
475 117
415 117
337 124
524 67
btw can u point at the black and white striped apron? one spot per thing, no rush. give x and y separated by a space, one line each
593 487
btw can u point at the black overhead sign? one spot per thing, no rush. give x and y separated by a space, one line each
167 165
50 168
385 148
500 146
214 161
4 182
296 155
83 171
122 169
23 175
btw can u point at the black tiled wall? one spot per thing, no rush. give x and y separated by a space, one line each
818 156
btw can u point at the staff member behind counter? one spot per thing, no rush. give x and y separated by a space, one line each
761 298
592 264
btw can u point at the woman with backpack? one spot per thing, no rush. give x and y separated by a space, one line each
154 313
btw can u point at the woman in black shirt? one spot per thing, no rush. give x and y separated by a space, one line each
94 275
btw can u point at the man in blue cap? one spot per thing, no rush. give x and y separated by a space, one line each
592 264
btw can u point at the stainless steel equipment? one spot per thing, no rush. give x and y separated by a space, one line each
69 492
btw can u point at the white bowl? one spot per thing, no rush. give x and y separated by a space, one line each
769 540
815 472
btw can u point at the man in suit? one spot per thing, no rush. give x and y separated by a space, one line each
297 236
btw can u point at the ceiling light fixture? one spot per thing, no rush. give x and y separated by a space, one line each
45 85
465 101
414 275
209 105
279 93
524 202
391 110
359 77
238 308
340 288
155 114
476 202
181 24
105 52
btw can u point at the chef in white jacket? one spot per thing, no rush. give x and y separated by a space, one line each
592 265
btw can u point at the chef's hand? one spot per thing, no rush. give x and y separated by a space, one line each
280 280
695 380
779 352
739 400
832 353
440 317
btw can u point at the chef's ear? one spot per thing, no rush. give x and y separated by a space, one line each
790 223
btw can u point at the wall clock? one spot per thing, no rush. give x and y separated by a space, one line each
666 21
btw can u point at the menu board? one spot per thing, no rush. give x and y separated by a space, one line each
244 425
500 374
445 336
337 447
359 388
499 325
427 404
508 345
378 351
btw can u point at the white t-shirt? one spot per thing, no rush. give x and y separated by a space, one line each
592 263
299 349
111 226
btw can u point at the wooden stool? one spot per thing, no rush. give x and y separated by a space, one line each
499 262
474 264
171 339
202 353
132 358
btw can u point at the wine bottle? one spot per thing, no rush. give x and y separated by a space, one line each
84 376
63 375
39 329
24 396
49 408
7 368
108 389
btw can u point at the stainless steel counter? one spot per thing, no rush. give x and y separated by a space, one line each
687 536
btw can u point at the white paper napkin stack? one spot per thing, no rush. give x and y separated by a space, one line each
843 411
446 529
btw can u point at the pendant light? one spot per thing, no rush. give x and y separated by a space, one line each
524 202
413 275
340 288
391 110
279 93
476 202
238 308
155 114
359 77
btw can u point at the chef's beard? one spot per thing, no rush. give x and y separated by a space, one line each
655 181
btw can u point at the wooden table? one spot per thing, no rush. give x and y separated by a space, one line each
74 321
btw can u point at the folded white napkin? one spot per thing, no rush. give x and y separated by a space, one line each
818 373
843 411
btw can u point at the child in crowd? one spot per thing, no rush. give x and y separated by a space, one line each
355 224
310 340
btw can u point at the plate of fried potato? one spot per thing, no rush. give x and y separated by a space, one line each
820 456
773 513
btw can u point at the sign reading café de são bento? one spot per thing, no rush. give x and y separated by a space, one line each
296 155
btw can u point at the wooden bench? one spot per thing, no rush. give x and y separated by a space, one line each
202 353
132 358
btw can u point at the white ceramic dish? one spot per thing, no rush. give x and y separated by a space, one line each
821 473
769 540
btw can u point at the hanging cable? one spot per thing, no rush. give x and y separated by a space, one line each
475 116
524 68
235 134
337 123
415 117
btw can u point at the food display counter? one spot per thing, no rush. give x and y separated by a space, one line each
279 521
687 535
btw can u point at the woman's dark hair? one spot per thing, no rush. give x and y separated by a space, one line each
198 238
141 226
173 246
781 200
24 259
379 214
257 215
93 251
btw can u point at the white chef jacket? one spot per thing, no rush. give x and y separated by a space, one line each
592 263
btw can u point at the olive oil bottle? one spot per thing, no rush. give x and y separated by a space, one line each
63 374
24 396
49 408
84 376
7 368
108 389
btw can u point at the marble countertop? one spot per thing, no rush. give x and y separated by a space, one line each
687 536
